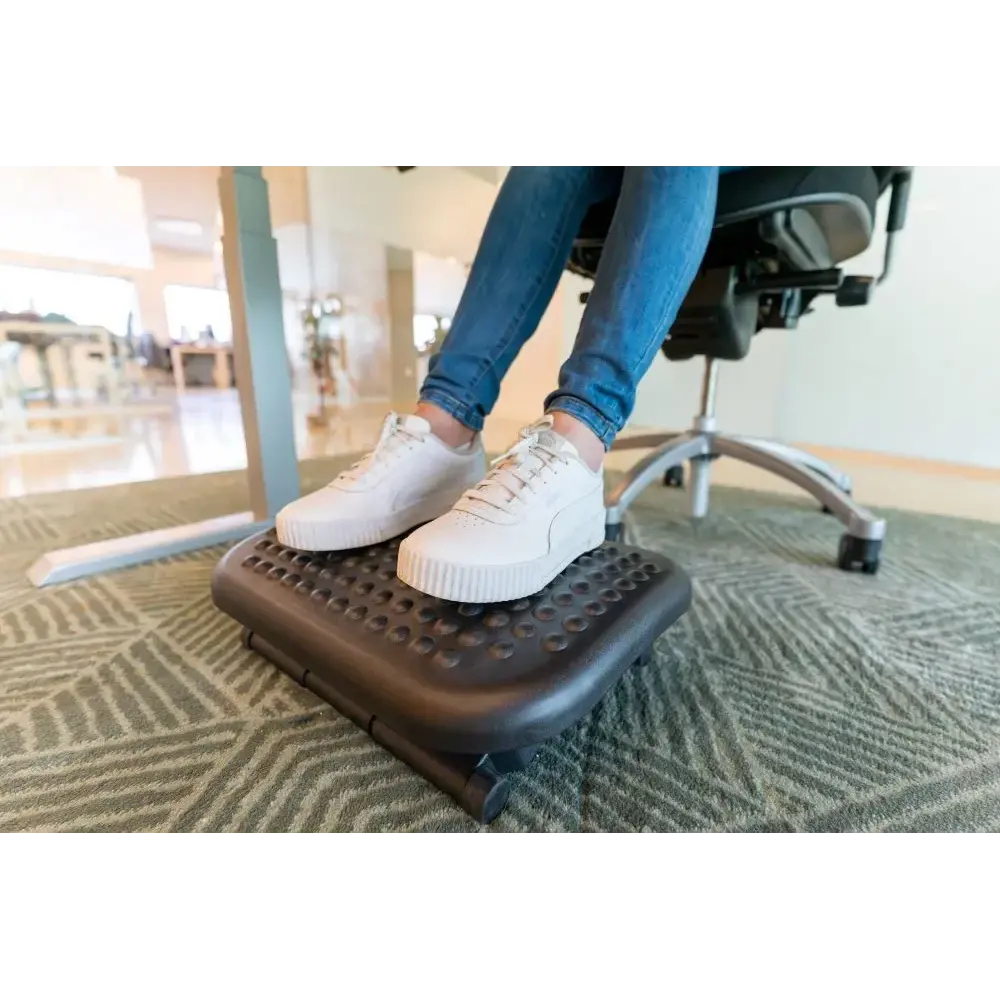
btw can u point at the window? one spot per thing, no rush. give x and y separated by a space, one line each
424 331
85 299
191 311
429 330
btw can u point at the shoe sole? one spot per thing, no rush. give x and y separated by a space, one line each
334 536
490 584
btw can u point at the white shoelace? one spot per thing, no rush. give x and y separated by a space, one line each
517 470
393 440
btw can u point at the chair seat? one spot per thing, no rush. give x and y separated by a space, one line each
841 200
757 191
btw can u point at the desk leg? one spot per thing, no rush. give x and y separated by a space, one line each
221 370
177 357
63 565
71 383
45 370
115 373
116 395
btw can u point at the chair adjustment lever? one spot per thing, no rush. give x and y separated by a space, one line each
829 280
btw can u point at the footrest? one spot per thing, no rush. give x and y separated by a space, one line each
461 692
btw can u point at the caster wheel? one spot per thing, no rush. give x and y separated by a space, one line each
674 477
612 532
859 554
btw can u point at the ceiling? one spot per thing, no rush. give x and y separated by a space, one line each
91 214
191 195
491 174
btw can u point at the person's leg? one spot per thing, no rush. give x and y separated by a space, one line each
424 462
521 257
654 248
543 504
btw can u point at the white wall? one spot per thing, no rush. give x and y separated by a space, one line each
85 213
439 210
438 284
355 213
353 267
492 174
294 263
535 370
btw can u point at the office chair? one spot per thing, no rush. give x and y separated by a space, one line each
779 234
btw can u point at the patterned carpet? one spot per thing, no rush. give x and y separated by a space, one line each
791 697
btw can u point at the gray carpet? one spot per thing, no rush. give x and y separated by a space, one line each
791 697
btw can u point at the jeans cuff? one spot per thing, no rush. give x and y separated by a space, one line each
586 414
464 413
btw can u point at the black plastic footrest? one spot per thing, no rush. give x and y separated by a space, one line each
463 693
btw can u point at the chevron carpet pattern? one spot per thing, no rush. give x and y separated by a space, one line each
791 697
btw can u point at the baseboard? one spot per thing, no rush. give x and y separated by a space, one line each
873 459
905 463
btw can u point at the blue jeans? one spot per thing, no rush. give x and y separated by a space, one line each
653 250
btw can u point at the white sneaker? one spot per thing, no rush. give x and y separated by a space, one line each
537 510
410 477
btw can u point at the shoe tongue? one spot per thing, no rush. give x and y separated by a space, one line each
548 438
413 424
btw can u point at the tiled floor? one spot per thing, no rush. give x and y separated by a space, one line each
201 431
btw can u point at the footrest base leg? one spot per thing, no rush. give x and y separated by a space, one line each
473 781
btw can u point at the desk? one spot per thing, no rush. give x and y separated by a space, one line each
222 371
42 336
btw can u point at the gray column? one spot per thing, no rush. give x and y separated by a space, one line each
402 352
260 354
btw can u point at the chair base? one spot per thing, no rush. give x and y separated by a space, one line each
861 543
